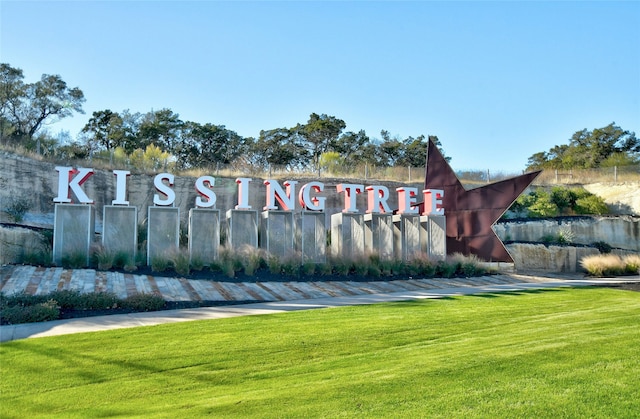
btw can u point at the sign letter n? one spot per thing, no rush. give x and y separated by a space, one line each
72 179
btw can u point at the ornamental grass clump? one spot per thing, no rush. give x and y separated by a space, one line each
632 264
229 262
360 266
324 269
308 268
102 258
180 261
273 263
252 260
75 260
603 265
341 267
291 267
159 263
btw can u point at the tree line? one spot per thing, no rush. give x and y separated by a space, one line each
322 141
603 147
27 108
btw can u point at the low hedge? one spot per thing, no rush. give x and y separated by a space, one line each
25 308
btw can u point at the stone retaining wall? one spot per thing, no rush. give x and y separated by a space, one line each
538 257
16 242
618 231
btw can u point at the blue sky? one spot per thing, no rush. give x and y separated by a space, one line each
495 81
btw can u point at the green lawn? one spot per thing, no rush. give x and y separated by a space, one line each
552 353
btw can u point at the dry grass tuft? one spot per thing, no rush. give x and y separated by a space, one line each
632 264
610 265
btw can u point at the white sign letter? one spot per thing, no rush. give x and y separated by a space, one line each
121 187
164 189
407 200
65 182
312 203
243 193
350 192
433 202
377 199
203 187
275 191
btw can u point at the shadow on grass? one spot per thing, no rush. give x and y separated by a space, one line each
519 292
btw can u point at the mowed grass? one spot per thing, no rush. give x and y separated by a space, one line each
551 353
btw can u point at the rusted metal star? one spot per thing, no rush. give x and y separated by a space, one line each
471 213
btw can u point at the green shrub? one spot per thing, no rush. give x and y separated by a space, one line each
603 247
21 299
17 206
143 302
563 198
97 301
547 239
71 299
42 312
559 201
591 205
542 205
67 298
25 308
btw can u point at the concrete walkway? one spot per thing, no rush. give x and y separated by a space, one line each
269 297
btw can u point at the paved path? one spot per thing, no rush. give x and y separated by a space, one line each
267 297
39 281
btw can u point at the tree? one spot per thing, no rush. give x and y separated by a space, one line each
591 149
390 150
415 152
320 133
161 128
208 144
105 130
280 146
351 147
332 162
28 107
11 91
152 158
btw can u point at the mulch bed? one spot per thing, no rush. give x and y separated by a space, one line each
629 286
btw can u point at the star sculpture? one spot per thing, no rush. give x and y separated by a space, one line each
471 213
